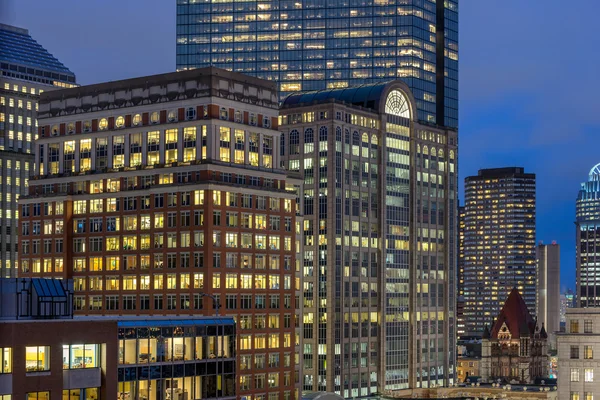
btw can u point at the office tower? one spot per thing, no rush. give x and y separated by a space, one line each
46 352
162 195
460 299
548 289
26 70
499 243
587 221
317 44
379 232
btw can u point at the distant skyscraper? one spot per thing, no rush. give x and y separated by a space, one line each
460 299
499 243
318 44
587 220
26 70
548 289
379 235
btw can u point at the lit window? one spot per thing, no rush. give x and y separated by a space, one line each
103 124
37 358
137 120
80 356
5 360
120 122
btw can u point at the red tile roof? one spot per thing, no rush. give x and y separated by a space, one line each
516 316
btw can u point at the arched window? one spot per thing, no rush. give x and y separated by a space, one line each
355 138
294 142
418 149
347 136
309 135
374 140
365 140
323 134
433 152
452 154
441 153
425 150
397 104
282 145
338 134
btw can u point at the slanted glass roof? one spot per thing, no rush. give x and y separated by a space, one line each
49 288
175 322
368 96
18 47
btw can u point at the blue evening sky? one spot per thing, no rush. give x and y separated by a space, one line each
528 82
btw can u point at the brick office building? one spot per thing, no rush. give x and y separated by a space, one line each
153 193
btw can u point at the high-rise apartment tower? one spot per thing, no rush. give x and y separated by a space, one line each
379 235
587 221
499 243
323 44
26 70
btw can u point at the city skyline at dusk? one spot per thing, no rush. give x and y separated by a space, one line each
519 104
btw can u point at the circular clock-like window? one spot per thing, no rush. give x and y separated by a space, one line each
103 124
397 104
120 122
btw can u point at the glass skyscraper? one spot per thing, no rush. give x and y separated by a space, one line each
327 44
26 70
588 240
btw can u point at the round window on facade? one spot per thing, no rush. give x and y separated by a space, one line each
120 122
155 117
137 119
71 127
172 116
87 126
103 124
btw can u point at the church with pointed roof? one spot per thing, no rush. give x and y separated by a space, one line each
515 348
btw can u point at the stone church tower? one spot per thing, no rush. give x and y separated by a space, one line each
515 349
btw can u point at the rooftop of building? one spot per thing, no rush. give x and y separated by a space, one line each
514 318
145 82
503 172
19 49
367 96
371 96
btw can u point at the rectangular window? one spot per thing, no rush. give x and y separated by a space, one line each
38 396
37 358
77 356
589 374
5 360
587 326
574 374
574 352
574 326
588 352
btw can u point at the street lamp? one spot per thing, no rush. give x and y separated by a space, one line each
215 301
